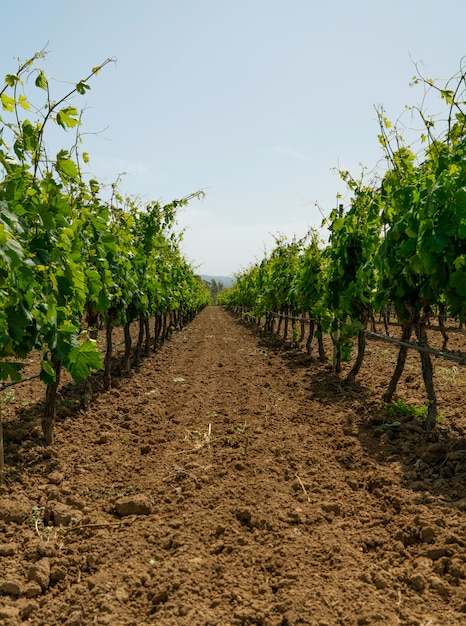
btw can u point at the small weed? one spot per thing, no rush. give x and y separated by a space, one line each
37 522
400 407
448 373
178 474
37 515
180 471
8 396
441 416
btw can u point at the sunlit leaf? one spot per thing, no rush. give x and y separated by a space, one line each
23 102
82 359
41 80
12 79
67 166
66 117
8 103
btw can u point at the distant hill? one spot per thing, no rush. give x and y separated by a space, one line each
226 281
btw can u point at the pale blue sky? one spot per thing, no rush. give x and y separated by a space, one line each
254 101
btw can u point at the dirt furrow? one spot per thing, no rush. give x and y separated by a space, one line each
230 481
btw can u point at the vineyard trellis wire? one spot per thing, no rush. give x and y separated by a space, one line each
378 336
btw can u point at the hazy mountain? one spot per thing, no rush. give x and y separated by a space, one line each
226 281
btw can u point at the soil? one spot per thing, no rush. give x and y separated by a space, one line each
232 480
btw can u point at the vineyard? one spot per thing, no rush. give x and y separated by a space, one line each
293 456
400 247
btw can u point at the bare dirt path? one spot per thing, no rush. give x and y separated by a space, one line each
231 482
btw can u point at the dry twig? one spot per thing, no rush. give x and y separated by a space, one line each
303 487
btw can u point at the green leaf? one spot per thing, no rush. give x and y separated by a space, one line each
11 252
458 282
7 103
81 87
23 102
459 262
67 167
10 371
447 95
82 359
460 198
10 218
411 232
29 136
68 329
66 119
41 80
437 243
19 320
94 282
12 79
337 224
47 372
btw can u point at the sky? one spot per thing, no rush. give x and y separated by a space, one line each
258 103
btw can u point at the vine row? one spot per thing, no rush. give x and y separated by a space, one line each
76 255
401 242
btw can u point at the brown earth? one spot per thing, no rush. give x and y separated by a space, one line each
230 480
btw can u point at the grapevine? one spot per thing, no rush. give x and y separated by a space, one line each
401 244
69 258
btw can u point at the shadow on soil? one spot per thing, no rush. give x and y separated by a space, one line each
24 445
432 463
